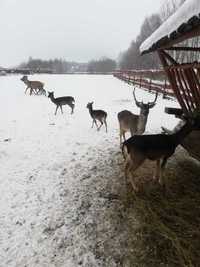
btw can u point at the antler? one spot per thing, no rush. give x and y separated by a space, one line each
151 104
136 101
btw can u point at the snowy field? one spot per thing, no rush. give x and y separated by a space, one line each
59 178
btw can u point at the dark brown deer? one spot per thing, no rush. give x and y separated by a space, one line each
136 124
97 115
157 147
61 101
34 86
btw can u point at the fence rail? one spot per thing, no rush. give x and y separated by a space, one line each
152 80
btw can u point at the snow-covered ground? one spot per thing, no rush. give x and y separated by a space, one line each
60 179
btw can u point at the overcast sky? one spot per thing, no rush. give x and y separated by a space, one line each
77 30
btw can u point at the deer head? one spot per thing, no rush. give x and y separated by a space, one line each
144 108
24 78
89 105
50 94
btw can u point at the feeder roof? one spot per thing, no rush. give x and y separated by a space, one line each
183 24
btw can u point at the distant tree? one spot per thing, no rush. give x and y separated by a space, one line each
131 58
53 65
169 7
102 65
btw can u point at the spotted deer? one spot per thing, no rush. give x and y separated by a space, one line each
136 124
34 86
97 115
156 147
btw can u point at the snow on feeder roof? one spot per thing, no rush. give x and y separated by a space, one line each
175 28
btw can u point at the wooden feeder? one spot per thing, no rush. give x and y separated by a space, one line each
184 77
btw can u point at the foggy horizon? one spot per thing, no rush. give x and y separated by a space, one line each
71 30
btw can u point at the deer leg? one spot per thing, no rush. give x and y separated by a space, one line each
161 180
96 124
105 122
131 166
123 133
94 121
26 89
120 137
56 109
72 107
98 129
134 166
157 171
61 109
31 90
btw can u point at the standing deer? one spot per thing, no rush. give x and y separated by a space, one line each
60 101
97 114
34 86
157 147
136 124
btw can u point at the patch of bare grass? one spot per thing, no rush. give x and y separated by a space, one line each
168 232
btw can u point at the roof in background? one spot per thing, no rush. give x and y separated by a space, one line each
183 21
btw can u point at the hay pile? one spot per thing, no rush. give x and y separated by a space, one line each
168 232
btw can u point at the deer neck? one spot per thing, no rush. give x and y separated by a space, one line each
91 111
52 98
142 121
26 82
182 133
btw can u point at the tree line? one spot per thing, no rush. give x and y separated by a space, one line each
128 59
131 58
103 65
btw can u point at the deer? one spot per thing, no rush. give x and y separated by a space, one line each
34 86
97 115
136 124
61 101
155 147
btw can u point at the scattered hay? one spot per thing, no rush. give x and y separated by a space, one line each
168 232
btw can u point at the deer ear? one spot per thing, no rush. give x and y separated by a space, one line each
92 102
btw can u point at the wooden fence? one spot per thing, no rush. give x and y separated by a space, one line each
152 80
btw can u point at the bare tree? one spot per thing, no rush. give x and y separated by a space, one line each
169 7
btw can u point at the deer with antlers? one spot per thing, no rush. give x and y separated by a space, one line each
136 124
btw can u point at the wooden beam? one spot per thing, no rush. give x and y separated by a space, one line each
173 61
170 42
183 48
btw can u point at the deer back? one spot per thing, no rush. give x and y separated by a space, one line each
36 84
128 121
63 100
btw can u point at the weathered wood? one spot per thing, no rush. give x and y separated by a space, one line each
146 79
183 48
174 111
